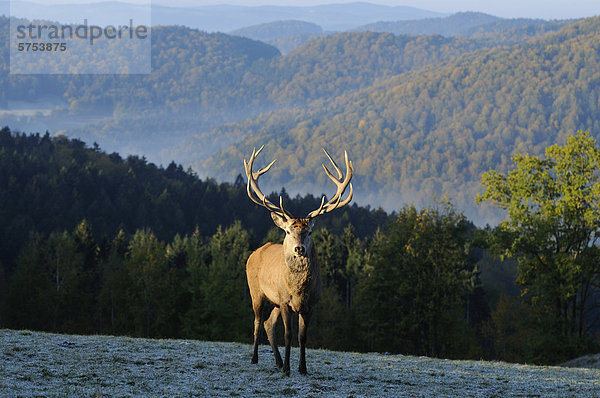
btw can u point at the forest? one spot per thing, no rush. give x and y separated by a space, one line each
94 243
473 25
436 111
436 130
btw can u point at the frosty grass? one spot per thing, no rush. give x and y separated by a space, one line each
44 364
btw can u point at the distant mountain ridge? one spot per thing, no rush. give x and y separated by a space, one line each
445 26
273 30
474 25
225 18
285 35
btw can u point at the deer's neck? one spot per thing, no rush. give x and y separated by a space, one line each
302 277
300 264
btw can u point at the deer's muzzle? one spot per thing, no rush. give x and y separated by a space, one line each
300 250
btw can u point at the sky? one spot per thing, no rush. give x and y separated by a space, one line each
546 9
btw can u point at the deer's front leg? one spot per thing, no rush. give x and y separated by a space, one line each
286 315
303 321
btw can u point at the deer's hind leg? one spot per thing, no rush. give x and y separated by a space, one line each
270 329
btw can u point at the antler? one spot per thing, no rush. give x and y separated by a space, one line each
258 197
341 182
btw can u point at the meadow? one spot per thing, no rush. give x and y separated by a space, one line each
44 364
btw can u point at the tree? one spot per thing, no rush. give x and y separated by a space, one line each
113 297
552 229
152 292
220 303
3 288
411 290
49 289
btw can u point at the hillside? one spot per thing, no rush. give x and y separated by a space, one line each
445 26
285 35
52 183
273 30
435 130
472 25
207 81
424 114
338 17
34 364
321 69
179 54
197 82
513 31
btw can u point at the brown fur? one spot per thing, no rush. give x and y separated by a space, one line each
290 281
288 274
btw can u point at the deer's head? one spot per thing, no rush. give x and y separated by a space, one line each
298 241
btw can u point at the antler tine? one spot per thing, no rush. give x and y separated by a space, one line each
335 166
252 186
341 183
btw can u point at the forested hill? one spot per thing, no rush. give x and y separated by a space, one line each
330 66
447 26
473 25
201 81
285 35
201 71
322 69
273 30
436 130
188 67
51 184
421 115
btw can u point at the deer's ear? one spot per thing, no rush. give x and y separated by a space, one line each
311 223
278 220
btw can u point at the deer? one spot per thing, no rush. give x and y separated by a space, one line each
288 274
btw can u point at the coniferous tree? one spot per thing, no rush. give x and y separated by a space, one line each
113 299
220 308
412 289
153 290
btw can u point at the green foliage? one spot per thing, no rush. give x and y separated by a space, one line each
113 298
334 323
221 304
52 183
412 289
49 289
552 228
153 288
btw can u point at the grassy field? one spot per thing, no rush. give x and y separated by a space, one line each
43 364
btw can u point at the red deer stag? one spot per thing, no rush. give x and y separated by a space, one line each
288 274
